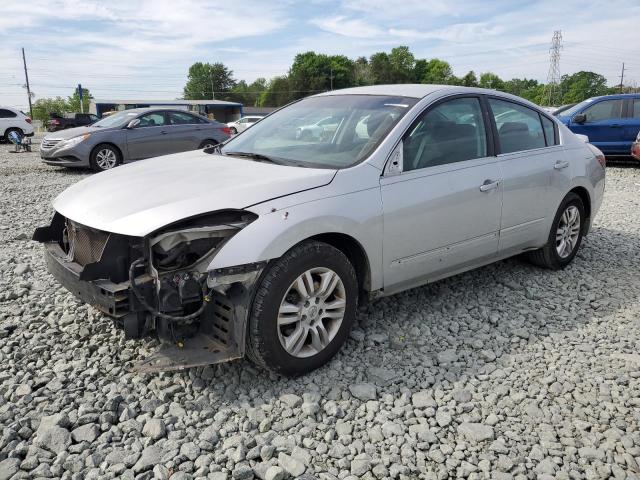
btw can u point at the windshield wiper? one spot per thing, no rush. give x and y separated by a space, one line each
254 156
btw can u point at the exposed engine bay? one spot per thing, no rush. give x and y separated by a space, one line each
160 285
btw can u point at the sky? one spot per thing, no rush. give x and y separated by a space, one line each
126 49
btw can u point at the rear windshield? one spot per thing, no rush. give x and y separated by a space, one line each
334 131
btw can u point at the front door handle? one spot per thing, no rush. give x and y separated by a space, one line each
489 185
560 164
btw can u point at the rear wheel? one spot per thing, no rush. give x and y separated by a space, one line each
303 311
234 130
9 130
565 236
105 157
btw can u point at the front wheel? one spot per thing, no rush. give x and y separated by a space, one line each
233 130
105 157
303 310
565 236
207 144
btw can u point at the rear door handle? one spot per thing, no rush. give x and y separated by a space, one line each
163 132
489 185
560 164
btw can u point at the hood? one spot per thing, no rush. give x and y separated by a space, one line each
139 198
74 132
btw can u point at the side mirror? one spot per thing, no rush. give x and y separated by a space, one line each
580 118
133 123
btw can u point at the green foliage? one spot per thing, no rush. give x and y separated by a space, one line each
73 101
313 72
278 93
491 80
205 78
582 85
437 72
43 107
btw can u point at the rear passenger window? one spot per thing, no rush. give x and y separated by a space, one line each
179 118
549 131
636 108
605 110
7 113
519 127
450 132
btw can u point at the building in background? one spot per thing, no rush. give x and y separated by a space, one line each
214 109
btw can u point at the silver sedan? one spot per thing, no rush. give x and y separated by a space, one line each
267 245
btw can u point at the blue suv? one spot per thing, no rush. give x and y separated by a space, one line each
611 122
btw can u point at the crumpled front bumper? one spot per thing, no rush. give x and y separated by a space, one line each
113 299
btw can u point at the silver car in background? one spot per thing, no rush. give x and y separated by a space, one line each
266 245
131 135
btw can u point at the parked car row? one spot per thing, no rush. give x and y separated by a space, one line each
266 245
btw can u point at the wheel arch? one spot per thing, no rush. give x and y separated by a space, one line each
356 254
583 193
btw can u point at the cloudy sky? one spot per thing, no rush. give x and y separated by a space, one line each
142 48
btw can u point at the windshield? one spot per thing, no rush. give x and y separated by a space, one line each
116 120
570 111
334 131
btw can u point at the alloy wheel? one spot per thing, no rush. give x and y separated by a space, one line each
311 312
568 231
106 159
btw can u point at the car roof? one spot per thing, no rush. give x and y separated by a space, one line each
155 109
614 96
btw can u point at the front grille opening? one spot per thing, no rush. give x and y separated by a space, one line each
85 245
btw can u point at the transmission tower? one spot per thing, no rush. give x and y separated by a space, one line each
552 88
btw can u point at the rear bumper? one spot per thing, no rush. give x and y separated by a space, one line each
113 299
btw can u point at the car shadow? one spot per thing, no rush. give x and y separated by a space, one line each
447 332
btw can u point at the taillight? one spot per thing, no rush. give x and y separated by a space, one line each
226 130
602 160
27 119
55 122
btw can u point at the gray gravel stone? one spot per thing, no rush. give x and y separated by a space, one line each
363 391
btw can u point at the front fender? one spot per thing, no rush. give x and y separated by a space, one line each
357 214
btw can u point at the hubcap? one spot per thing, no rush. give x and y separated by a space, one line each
311 312
106 159
208 145
568 231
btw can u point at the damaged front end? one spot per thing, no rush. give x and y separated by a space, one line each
161 285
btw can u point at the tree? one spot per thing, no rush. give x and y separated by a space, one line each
204 79
491 80
43 107
313 72
582 85
438 72
73 102
402 64
469 80
247 94
278 93
362 72
381 70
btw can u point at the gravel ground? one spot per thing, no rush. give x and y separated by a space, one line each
506 372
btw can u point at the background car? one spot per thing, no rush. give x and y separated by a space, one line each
635 148
611 122
58 122
323 128
131 135
242 124
266 245
14 120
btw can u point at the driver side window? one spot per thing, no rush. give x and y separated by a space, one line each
154 119
450 132
605 110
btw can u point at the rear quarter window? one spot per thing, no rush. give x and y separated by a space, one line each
4 113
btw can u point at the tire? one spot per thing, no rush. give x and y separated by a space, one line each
549 256
13 129
234 130
102 160
267 336
207 144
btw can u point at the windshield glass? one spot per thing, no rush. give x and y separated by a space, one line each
570 111
334 131
116 120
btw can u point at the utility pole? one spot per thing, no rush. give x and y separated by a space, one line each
622 79
552 89
26 76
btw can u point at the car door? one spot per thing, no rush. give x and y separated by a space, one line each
603 125
149 138
441 195
632 122
183 131
534 170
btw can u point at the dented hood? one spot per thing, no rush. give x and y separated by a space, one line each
142 197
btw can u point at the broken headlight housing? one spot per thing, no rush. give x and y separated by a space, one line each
184 246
